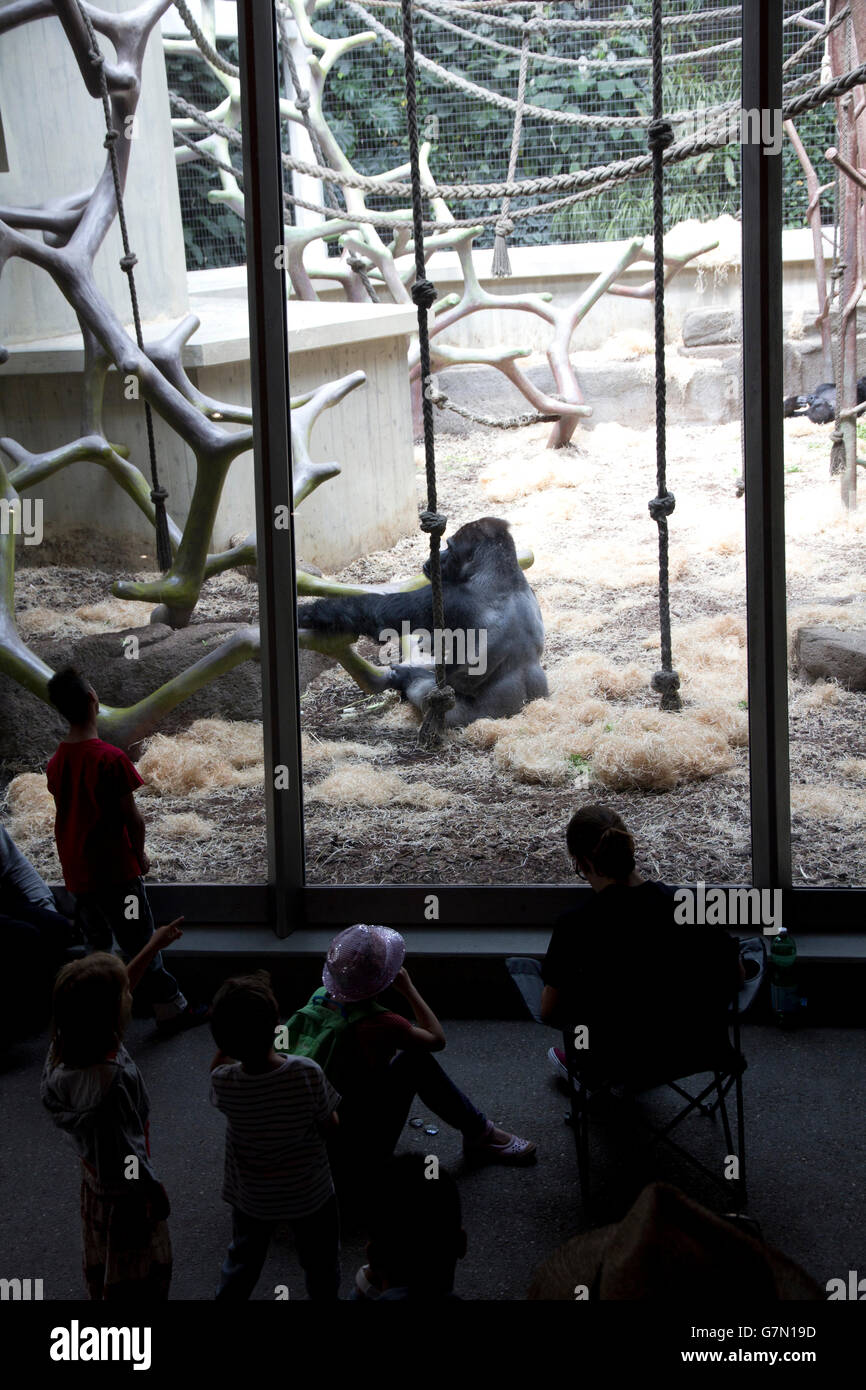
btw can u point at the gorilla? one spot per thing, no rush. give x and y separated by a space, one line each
493 641
820 407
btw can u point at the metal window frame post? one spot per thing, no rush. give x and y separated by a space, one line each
269 379
763 443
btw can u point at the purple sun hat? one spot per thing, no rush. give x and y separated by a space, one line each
361 962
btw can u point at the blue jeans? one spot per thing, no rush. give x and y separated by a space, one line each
20 884
103 914
525 971
372 1119
317 1242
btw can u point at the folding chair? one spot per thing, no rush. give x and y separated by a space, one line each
653 1013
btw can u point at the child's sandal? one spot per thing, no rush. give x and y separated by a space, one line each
515 1152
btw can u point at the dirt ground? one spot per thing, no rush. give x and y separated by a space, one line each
492 809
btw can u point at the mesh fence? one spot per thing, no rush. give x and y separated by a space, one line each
598 70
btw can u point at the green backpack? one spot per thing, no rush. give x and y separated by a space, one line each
318 1032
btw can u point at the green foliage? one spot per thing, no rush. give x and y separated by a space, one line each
365 106
213 235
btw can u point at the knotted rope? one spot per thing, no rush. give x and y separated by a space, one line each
838 451
128 261
203 43
586 179
442 697
660 135
504 227
302 101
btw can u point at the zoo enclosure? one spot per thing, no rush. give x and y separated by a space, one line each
763 219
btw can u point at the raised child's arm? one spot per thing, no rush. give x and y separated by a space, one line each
162 937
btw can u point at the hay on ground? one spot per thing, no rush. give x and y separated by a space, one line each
818 696
315 751
855 768
822 801
113 614
185 825
637 757
360 785
30 806
211 754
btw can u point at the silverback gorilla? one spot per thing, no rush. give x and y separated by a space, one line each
494 635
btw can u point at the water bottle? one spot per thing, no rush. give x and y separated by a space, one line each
784 994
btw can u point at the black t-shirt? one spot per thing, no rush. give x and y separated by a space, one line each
580 937
636 979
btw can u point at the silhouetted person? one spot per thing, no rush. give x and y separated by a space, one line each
415 1231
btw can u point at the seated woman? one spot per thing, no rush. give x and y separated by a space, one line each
602 853
384 1059
601 951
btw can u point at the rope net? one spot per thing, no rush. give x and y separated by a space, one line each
586 102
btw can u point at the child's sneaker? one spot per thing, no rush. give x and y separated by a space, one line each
557 1057
364 1285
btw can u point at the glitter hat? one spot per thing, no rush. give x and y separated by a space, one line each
361 962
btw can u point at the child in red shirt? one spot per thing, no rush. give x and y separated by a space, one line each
99 832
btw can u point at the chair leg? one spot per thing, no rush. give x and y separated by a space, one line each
712 1108
580 1126
583 1150
720 1105
741 1137
686 1095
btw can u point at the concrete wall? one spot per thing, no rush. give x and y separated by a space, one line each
54 133
369 506
566 272
374 500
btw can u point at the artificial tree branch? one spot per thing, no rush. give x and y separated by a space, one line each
125 727
307 475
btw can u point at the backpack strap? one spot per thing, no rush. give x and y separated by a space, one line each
352 1013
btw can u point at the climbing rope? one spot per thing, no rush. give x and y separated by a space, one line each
158 494
463 84
302 101
441 697
504 227
373 219
660 135
504 103
569 25
203 43
554 183
838 452
479 9
583 63
510 422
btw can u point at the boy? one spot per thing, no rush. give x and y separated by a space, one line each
279 1109
100 843
416 1234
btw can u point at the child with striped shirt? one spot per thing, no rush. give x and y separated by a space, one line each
279 1109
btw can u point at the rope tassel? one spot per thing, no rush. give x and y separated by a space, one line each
838 453
158 497
501 266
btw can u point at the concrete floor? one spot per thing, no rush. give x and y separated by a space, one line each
805 1144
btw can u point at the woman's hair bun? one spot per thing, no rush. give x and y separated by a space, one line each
613 856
